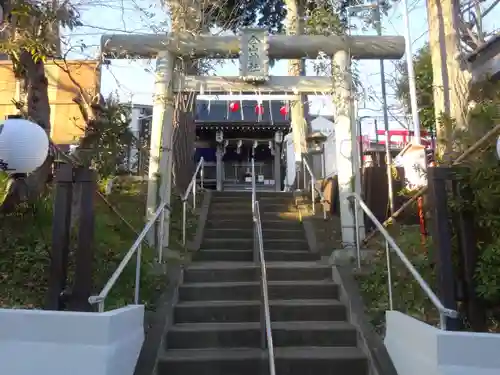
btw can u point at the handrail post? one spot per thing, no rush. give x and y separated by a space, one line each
194 195
389 274
138 275
356 232
313 195
263 338
202 173
184 219
160 236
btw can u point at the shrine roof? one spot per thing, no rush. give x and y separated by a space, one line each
244 112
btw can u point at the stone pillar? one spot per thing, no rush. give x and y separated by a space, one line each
219 166
160 152
277 166
343 140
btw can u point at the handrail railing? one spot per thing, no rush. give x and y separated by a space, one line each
266 334
137 249
314 189
254 188
266 330
191 189
390 243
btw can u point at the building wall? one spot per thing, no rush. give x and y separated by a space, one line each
67 124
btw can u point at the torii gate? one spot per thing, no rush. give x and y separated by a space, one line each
254 47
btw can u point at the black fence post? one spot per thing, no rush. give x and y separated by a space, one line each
465 227
442 237
61 232
82 288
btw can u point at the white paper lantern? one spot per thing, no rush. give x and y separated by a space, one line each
23 146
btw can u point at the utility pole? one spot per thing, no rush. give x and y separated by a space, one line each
388 158
378 25
411 74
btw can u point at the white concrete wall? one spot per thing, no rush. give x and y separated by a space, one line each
417 348
70 343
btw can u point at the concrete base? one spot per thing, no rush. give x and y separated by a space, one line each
417 348
76 343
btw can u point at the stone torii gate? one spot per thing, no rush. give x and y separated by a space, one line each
254 48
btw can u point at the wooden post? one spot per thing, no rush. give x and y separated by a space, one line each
82 287
441 236
61 227
160 160
465 228
343 135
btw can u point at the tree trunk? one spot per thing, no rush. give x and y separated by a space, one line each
450 100
295 26
20 188
186 17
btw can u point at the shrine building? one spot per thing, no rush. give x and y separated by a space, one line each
229 133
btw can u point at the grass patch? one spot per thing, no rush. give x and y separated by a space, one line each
25 245
408 296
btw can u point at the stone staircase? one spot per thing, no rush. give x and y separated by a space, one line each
216 322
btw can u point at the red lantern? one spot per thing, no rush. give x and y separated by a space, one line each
284 110
234 106
259 109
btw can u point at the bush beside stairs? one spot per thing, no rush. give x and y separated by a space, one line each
216 329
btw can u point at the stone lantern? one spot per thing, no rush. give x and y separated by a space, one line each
316 151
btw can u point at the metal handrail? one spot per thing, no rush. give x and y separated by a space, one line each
254 188
266 330
266 335
135 248
389 242
191 189
314 189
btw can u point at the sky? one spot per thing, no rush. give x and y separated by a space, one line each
133 80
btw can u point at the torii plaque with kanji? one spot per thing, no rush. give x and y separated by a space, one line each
254 59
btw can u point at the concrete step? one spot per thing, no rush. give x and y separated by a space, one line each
250 361
227 243
286 243
232 255
248 335
248 195
239 271
297 234
251 290
246 243
265 206
217 214
228 214
242 223
249 311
